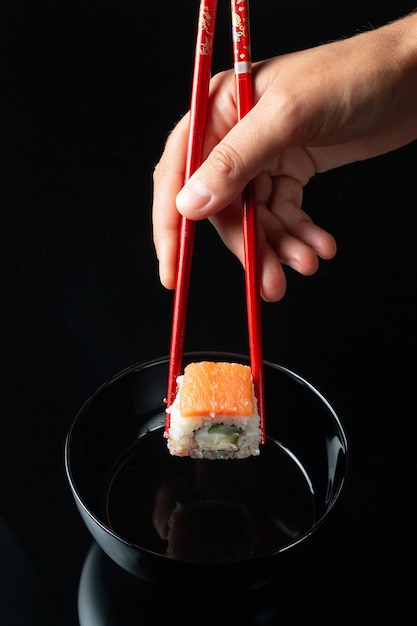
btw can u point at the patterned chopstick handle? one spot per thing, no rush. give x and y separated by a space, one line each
242 54
241 36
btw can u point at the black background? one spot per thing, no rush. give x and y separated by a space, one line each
89 93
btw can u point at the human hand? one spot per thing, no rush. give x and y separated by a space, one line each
314 110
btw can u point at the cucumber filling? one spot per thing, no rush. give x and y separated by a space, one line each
218 437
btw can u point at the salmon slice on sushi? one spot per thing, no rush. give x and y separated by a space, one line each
214 414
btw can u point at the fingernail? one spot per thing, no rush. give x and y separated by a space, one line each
194 196
166 276
294 265
162 274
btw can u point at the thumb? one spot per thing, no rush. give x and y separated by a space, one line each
232 163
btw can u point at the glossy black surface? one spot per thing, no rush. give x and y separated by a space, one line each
126 485
107 595
87 101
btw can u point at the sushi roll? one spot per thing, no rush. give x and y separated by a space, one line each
214 414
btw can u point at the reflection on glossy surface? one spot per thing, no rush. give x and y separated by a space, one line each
203 510
126 492
109 596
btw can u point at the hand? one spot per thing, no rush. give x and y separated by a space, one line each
314 110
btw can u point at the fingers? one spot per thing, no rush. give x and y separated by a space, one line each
277 247
285 206
231 164
287 235
170 173
292 238
168 179
228 224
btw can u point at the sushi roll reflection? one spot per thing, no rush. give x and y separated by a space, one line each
214 414
211 531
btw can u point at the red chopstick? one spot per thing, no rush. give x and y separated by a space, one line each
243 70
198 109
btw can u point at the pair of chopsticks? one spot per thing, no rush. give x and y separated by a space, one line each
198 110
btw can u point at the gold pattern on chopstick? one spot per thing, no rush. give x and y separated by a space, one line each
240 31
206 46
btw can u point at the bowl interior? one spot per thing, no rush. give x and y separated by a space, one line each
130 489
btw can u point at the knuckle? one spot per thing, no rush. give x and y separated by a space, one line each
226 161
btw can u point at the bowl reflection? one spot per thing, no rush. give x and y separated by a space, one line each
110 596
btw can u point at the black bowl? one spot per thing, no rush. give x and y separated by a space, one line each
246 521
